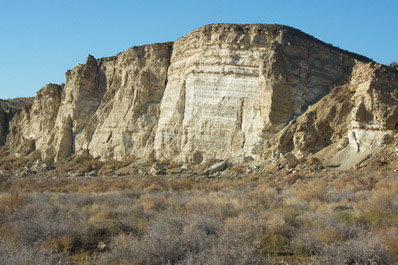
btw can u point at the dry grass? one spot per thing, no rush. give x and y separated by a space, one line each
346 219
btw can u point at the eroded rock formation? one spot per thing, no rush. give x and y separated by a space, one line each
223 91
8 108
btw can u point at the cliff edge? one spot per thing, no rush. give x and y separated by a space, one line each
224 91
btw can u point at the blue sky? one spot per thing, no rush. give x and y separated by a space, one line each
40 40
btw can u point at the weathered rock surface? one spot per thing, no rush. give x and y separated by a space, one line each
126 119
223 91
232 87
34 124
353 121
7 110
217 167
3 126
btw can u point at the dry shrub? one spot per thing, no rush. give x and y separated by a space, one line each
346 218
152 203
112 165
219 204
293 178
63 244
83 163
21 255
169 240
366 250
331 235
314 190
143 183
50 222
180 184
263 198
239 243
385 196
390 240
154 188
275 243
11 162
376 217
9 202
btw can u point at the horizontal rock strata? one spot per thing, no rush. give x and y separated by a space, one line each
223 91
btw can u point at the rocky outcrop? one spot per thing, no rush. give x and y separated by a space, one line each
223 91
3 126
108 107
353 121
125 121
35 123
232 87
8 108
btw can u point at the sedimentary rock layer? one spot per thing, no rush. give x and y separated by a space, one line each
222 91
7 110
233 87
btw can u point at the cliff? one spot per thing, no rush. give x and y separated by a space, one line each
224 91
8 108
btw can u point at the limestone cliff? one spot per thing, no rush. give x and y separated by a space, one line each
232 87
8 108
3 126
351 122
126 119
34 124
223 91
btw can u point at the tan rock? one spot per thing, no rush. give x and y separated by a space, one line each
126 120
36 122
222 92
3 126
8 108
232 87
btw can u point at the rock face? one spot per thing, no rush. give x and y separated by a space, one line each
3 126
35 123
7 110
350 123
126 120
223 91
233 87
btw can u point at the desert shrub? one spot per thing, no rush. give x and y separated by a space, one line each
365 250
394 65
389 238
275 243
111 165
153 202
315 190
41 221
263 198
10 162
375 217
281 228
169 240
346 217
33 255
341 195
82 163
238 243
306 242
218 204
333 228
180 185
385 200
9 202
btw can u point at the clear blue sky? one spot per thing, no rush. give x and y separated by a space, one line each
42 39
